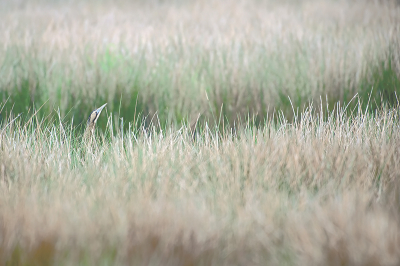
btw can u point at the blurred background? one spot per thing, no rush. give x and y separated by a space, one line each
181 60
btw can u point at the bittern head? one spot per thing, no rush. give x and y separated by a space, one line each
95 115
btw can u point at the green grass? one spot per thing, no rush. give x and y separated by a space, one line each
138 93
181 73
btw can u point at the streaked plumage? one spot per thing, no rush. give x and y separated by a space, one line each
91 122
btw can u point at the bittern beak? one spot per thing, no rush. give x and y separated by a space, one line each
98 110
95 115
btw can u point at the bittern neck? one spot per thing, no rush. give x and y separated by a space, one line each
89 132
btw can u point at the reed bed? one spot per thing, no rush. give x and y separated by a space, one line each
236 132
323 190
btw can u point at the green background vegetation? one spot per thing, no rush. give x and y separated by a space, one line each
182 72
32 87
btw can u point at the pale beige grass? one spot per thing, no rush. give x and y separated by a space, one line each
310 193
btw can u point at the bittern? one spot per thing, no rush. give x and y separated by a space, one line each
91 122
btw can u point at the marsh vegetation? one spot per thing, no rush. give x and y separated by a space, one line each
236 133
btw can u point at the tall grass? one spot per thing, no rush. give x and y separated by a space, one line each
236 133
185 58
321 191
